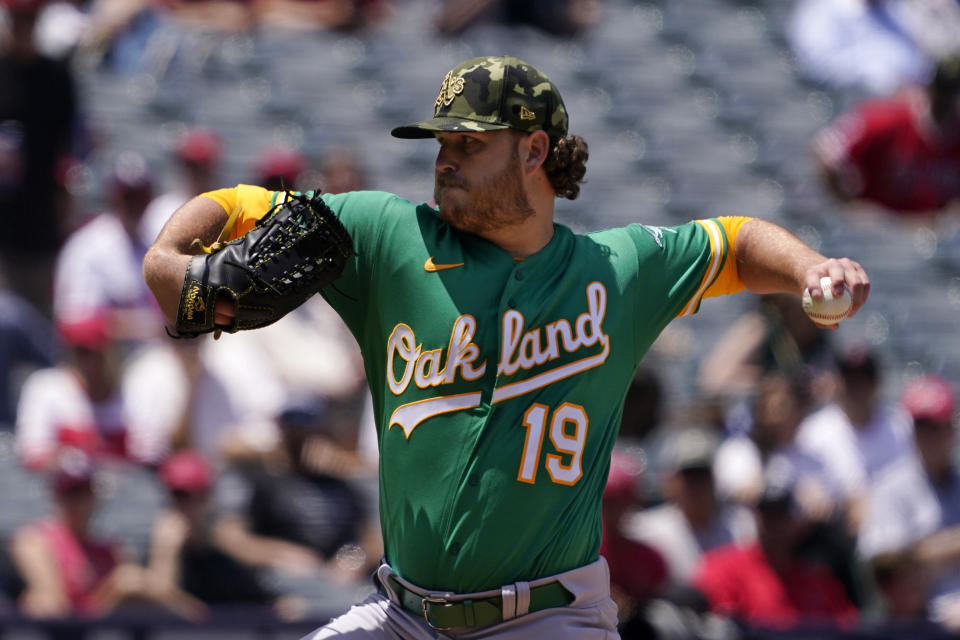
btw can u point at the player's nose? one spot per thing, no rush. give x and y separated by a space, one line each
446 159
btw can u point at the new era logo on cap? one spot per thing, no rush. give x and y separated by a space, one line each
492 93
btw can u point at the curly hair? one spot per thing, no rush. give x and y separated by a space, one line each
566 165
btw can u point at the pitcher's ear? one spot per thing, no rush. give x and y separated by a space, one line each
535 149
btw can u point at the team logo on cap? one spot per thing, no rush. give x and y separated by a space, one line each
450 89
526 114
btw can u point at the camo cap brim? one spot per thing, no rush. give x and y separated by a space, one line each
492 93
426 128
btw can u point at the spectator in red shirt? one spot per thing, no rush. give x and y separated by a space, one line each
63 569
901 152
66 570
637 570
768 584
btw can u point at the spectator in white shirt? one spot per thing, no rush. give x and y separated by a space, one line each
91 402
692 519
100 266
915 508
857 436
744 462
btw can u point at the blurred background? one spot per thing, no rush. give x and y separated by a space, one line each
149 488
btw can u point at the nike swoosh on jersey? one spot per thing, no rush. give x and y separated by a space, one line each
431 266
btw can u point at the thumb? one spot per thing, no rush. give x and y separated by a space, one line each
223 312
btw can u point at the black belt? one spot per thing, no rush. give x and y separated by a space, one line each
441 613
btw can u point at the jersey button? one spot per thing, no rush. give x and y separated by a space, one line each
518 274
512 303
473 480
455 548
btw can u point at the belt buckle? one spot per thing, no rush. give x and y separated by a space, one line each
438 599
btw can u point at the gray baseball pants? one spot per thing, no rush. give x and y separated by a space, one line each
591 616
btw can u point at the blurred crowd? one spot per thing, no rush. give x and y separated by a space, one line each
829 506
792 491
257 449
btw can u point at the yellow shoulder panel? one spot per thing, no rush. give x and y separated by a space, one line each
244 204
721 277
728 282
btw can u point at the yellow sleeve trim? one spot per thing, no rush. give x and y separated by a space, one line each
728 282
721 277
244 204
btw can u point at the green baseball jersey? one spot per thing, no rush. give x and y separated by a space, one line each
498 384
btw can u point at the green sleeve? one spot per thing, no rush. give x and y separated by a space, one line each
369 217
666 269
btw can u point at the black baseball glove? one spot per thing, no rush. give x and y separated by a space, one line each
296 249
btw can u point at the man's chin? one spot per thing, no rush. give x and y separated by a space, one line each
447 216
450 216
449 197
449 208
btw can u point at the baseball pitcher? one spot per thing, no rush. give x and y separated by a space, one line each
498 346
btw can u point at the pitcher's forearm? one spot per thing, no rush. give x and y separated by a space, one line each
770 259
164 271
165 264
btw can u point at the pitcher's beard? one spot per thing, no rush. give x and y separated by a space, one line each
499 201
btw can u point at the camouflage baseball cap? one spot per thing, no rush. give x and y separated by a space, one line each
491 93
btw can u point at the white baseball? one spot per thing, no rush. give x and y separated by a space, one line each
828 309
